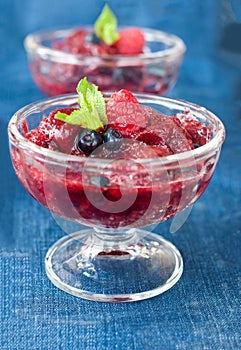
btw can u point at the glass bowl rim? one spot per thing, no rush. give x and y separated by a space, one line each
196 154
33 44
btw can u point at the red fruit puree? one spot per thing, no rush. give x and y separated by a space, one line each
123 193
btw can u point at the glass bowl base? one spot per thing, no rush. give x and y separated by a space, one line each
129 266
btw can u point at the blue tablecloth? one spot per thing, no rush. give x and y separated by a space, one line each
202 310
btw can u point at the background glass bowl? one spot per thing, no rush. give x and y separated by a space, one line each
113 260
56 72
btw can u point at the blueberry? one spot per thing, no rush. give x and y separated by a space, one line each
99 181
196 145
88 140
92 38
132 75
113 138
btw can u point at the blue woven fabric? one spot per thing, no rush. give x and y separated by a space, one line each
202 310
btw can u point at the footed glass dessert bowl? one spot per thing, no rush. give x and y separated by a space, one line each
116 192
56 67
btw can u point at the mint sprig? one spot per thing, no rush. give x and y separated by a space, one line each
106 26
92 112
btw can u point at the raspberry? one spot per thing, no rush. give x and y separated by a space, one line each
122 96
131 41
125 114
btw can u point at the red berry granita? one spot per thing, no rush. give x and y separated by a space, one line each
141 59
112 161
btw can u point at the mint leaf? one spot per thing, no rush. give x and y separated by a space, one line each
92 112
92 99
83 118
106 25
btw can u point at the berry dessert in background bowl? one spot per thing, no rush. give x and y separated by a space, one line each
139 59
115 162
